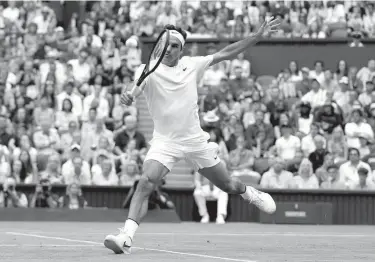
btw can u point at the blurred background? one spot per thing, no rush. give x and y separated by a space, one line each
296 112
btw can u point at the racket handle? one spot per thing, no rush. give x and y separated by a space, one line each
137 89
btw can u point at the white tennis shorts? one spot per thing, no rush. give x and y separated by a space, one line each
200 156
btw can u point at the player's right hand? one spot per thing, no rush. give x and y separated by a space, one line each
126 98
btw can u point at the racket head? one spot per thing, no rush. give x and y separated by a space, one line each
156 56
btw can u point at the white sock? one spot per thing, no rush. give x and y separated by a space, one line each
130 227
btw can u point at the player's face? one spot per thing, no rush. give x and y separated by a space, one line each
173 53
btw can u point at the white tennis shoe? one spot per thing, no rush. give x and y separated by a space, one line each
120 243
262 200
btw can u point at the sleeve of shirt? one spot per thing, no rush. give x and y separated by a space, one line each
201 63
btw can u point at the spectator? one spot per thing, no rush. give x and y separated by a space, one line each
252 133
73 198
74 98
318 72
53 170
129 173
10 197
276 176
328 118
241 161
43 111
287 145
308 141
27 168
65 116
316 96
129 132
364 183
349 170
337 145
103 174
356 128
317 157
306 178
207 191
332 179
43 197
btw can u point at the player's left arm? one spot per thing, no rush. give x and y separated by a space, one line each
232 50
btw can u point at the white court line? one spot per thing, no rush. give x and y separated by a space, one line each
148 249
265 234
48 245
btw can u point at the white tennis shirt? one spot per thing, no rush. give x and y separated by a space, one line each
172 98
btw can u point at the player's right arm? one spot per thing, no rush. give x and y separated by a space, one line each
133 91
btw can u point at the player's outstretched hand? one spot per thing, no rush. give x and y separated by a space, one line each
269 26
126 98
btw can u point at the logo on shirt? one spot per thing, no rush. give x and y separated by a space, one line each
184 69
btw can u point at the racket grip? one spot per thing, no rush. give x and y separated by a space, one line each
137 89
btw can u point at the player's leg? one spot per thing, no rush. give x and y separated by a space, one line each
220 177
208 164
153 172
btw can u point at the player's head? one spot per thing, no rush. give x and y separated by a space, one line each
177 41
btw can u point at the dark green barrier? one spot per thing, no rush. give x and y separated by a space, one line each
271 56
349 207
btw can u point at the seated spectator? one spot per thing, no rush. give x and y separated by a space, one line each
96 100
276 176
242 63
205 190
331 180
47 141
349 170
364 183
327 118
287 145
53 170
75 169
365 98
10 197
303 117
129 173
317 157
357 127
27 170
90 140
364 145
316 96
127 133
70 137
252 133
308 142
241 161
65 116
305 178
43 111
103 174
43 197
73 198
337 145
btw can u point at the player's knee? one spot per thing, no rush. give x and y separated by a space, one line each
145 186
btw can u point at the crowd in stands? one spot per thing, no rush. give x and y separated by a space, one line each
61 120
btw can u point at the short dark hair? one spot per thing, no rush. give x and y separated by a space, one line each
178 29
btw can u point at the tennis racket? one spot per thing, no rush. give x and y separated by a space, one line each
155 58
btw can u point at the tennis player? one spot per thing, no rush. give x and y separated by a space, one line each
171 95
